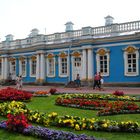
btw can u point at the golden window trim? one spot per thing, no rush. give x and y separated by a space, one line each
33 58
50 55
76 54
63 55
22 58
130 49
101 52
11 59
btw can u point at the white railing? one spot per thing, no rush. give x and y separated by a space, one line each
84 33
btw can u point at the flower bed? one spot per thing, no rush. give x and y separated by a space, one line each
119 108
74 122
18 123
45 93
106 108
81 103
101 97
13 107
10 94
41 93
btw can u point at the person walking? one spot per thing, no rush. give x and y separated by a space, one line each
96 81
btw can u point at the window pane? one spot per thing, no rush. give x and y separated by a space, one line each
129 61
64 66
129 55
101 57
134 55
51 66
134 70
103 64
129 70
134 60
105 57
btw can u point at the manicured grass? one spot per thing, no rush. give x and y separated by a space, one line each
47 104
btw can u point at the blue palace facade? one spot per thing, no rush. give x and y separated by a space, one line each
112 49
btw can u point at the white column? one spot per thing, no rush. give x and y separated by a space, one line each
3 66
84 66
42 67
38 67
6 68
90 64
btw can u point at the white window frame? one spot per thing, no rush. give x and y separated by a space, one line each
60 66
32 75
11 69
74 74
48 67
126 73
20 67
108 62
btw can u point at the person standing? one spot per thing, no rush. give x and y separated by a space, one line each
20 82
78 81
101 81
96 81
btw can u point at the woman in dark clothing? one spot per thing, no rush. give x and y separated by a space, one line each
96 81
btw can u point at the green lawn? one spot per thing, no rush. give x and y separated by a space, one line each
46 104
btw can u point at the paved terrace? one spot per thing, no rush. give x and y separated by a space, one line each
62 89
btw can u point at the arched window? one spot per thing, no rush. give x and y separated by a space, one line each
131 61
12 62
50 65
102 61
76 64
63 64
22 66
33 66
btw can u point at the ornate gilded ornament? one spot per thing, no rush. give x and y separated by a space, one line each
101 52
11 59
76 54
21 58
50 55
33 58
130 49
63 55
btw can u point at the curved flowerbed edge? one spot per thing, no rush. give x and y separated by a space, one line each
45 133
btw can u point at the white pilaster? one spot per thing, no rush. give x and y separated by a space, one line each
90 64
84 66
42 67
38 67
6 68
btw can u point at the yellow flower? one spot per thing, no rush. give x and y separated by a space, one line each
54 114
91 126
84 125
77 127
72 125
104 125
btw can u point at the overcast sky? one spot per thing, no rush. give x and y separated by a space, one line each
19 17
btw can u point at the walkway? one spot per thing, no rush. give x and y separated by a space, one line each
62 89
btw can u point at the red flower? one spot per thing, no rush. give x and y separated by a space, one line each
17 122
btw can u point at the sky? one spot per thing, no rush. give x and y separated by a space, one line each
19 17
